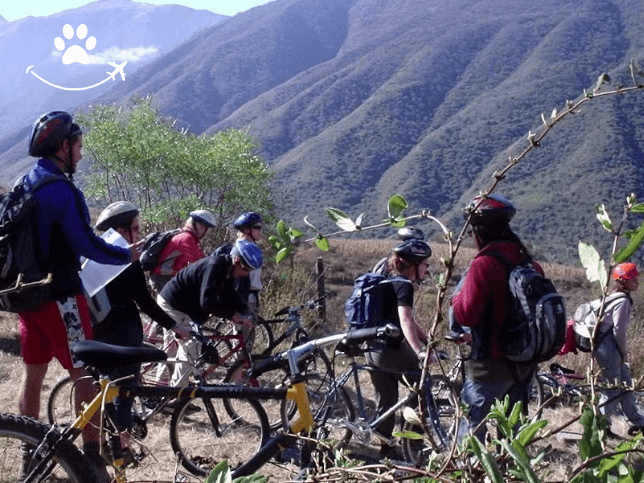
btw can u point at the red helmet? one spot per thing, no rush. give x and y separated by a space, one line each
493 209
49 131
625 271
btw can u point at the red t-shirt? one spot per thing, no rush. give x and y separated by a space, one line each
181 250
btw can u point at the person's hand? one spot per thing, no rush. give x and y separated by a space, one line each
135 250
181 332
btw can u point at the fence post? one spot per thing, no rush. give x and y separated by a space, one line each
319 271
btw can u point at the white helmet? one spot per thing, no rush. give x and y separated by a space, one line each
204 217
117 215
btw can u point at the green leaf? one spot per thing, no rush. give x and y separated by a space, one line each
283 254
322 243
486 459
594 265
525 435
254 478
294 233
220 474
281 229
341 219
523 463
590 443
638 208
359 221
633 244
604 219
396 205
407 435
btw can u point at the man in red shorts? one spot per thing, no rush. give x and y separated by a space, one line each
64 236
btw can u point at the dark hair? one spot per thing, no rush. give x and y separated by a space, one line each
487 234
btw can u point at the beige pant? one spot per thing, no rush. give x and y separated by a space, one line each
185 353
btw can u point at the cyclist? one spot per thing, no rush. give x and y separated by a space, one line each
127 293
406 268
207 288
406 233
64 236
249 228
611 349
480 305
183 248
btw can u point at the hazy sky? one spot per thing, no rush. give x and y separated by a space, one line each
18 9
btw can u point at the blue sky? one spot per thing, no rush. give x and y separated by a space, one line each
41 8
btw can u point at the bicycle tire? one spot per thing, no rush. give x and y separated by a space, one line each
537 398
260 338
442 413
330 405
60 403
203 438
71 466
238 374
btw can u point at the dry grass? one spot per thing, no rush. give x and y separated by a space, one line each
293 283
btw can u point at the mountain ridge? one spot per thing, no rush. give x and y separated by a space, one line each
352 101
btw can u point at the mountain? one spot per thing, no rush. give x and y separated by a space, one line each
122 30
352 101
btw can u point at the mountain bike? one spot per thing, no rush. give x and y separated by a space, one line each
211 431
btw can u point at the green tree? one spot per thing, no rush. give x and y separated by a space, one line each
139 156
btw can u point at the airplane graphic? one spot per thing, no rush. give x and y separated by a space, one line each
118 69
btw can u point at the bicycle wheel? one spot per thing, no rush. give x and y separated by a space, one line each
238 374
60 403
260 338
441 419
535 403
331 408
202 433
18 431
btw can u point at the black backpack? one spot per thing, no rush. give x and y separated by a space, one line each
24 276
535 327
153 246
364 307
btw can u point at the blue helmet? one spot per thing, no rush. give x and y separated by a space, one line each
247 220
250 254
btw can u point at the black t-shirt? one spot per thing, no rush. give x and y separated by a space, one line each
400 293
205 288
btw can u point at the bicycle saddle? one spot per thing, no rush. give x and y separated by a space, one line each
107 357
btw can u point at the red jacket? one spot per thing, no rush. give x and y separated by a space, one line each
483 296
181 250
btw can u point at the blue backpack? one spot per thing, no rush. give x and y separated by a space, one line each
364 308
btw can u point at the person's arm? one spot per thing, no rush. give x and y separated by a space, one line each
470 303
144 300
68 209
621 316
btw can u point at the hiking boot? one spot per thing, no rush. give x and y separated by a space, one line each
633 430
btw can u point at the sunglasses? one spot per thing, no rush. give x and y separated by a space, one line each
257 227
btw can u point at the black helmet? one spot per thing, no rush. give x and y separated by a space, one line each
494 209
414 251
117 215
49 131
410 233
204 217
250 253
247 220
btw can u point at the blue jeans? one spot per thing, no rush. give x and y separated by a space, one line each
479 394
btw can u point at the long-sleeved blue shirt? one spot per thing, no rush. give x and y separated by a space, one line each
64 230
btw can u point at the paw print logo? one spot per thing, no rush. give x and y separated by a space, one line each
75 53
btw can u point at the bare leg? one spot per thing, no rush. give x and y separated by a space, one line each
29 398
85 392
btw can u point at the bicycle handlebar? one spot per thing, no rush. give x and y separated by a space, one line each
311 305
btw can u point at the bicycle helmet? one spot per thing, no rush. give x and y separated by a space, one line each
204 217
492 210
116 215
625 271
247 220
250 254
49 131
410 233
414 251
